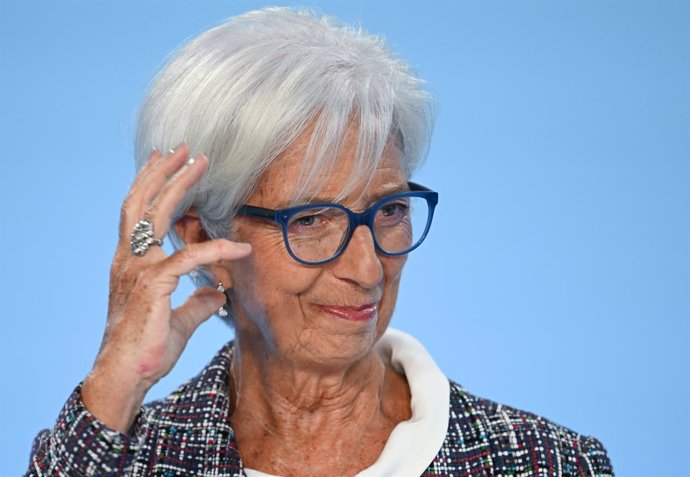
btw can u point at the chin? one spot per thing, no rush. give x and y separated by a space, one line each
339 343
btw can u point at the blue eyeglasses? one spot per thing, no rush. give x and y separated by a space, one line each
315 234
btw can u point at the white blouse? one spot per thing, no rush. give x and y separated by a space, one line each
425 431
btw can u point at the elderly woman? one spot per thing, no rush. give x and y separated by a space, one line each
288 199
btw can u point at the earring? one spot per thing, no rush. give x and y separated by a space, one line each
223 310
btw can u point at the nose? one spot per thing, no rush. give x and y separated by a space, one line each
359 262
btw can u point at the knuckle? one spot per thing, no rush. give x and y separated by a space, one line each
128 273
126 212
152 164
124 216
143 278
189 253
144 275
116 269
127 203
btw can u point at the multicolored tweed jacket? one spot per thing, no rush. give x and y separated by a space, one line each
188 433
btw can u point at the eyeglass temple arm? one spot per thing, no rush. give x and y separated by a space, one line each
414 187
254 211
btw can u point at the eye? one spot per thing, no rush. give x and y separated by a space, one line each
392 213
390 210
305 221
309 221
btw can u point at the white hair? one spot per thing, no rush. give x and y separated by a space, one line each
242 92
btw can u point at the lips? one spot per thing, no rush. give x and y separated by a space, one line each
352 313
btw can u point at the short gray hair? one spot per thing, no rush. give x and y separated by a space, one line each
243 91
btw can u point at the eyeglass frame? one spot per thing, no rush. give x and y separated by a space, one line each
355 219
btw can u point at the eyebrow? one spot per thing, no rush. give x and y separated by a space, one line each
386 190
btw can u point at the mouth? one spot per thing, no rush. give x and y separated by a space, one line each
352 313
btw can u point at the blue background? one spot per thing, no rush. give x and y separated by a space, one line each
557 274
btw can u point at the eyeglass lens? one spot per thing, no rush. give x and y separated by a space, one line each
316 234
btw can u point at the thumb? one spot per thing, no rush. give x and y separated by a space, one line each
198 308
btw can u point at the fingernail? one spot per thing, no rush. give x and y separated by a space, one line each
244 246
191 161
172 151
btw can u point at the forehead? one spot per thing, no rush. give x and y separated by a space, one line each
277 186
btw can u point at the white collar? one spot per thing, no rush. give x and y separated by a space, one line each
414 443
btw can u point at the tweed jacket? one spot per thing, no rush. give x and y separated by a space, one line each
189 433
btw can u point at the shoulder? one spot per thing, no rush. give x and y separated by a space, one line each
201 402
509 440
208 389
190 429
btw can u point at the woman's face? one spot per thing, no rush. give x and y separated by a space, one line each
326 315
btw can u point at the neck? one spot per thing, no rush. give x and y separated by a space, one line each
311 412
287 397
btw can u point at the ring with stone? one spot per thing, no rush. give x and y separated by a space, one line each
142 237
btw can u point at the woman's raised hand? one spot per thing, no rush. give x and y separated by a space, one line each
144 336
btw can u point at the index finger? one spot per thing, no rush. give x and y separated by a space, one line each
192 256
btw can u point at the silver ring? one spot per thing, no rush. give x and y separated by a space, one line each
142 237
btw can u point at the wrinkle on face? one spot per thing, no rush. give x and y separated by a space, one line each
280 297
305 379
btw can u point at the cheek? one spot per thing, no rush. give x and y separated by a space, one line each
269 282
392 270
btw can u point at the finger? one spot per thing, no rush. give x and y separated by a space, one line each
130 202
148 183
169 270
197 309
154 174
174 190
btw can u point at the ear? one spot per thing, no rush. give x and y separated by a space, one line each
190 229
